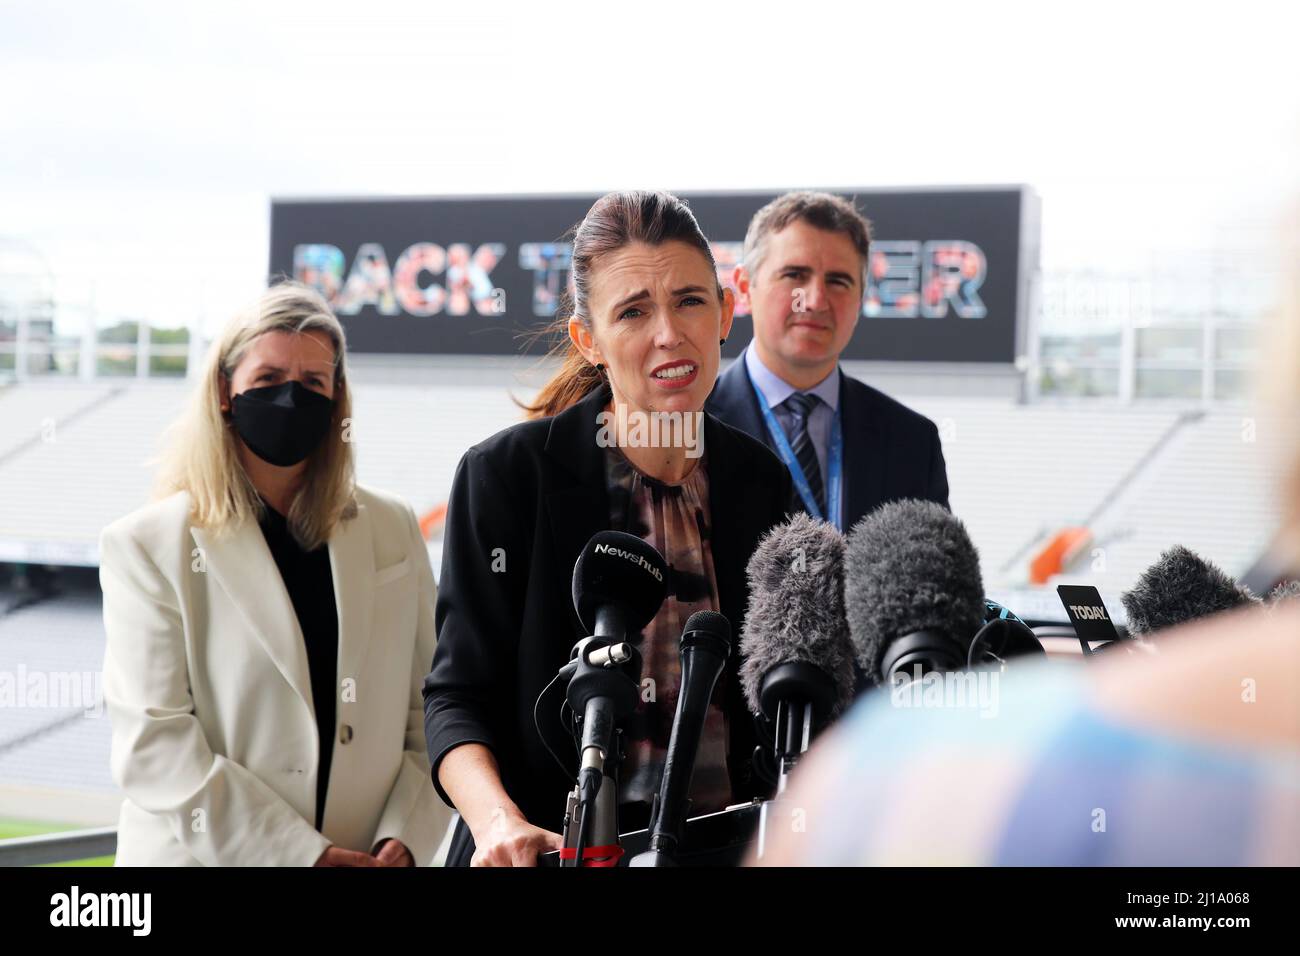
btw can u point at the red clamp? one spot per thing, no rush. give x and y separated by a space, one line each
614 852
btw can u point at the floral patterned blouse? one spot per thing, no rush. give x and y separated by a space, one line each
674 519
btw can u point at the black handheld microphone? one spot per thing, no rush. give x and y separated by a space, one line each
913 593
705 646
1178 588
619 583
798 669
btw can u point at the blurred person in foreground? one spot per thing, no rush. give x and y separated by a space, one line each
1188 755
269 622
642 339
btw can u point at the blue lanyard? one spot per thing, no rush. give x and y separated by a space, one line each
834 462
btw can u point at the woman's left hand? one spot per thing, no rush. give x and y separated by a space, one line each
393 853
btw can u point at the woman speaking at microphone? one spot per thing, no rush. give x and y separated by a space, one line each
269 623
643 338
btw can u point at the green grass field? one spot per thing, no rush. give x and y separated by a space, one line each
10 829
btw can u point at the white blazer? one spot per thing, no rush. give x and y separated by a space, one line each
214 736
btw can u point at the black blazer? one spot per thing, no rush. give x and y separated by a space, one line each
890 451
526 501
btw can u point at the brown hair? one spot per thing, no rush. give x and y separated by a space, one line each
616 220
820 210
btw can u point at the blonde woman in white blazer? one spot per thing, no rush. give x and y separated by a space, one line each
229 686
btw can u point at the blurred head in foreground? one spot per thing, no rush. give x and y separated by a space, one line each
1186 756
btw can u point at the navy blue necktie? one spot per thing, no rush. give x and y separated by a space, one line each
800 405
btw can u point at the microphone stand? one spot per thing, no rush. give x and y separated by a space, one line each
603 687
797 696
794 727
594 825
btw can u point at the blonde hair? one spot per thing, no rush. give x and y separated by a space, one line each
202 456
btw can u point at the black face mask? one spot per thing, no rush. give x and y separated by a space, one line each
282 424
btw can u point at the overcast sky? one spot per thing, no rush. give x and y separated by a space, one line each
143 141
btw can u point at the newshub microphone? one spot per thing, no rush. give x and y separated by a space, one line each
619 583
1178 588
798 668
705 647
913 593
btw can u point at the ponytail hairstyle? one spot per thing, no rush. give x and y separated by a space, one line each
616 220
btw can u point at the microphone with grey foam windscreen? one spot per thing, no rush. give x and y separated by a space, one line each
1283 592
797 674
913 594
1180 587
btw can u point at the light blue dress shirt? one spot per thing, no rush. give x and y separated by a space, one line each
776 390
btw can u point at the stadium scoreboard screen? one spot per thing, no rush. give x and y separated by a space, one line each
478 275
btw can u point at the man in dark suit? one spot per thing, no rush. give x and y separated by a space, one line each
804 274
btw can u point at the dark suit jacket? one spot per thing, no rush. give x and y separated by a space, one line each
890 451
532 496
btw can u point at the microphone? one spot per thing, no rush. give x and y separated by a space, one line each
1003 635
798 669
1283 592
1180 587
913 594
705 646
619 583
